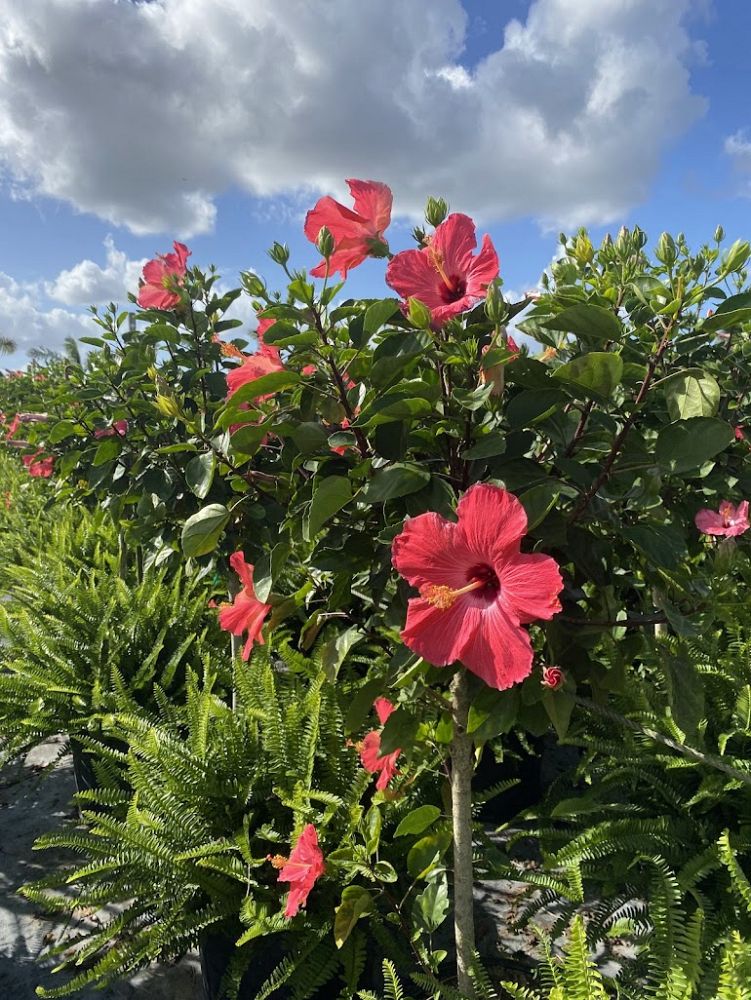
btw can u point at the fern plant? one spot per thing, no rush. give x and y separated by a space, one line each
76 639
180 839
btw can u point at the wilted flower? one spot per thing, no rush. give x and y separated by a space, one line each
246 613
370 748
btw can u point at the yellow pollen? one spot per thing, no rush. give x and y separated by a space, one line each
277 860
726 512
436 259
230 351
548 353
443 597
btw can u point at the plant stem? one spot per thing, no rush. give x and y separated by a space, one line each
461 814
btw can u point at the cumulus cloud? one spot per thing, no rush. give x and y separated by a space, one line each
144 113
738 148
24 318
88 283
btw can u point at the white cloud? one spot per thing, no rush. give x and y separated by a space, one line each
87 283
144 113
738 148
24 318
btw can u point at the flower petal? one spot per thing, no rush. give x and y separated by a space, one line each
430 549
411 275
483 269
439 636
497 649
373 201
530 585
709 522
491 520
455 239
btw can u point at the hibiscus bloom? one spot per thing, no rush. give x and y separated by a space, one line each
727 521
303 869
41 467
246 613
119 428
370 748
552 677
739 435
255 366
445 275
476 587
357 234
162 277
14 425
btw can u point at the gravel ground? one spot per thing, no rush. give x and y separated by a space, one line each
34 801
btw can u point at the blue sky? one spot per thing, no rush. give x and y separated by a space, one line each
124 125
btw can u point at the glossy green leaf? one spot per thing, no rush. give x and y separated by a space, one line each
356 902
396 480
596 374
199 474
587 320
202 531
417 821
687 444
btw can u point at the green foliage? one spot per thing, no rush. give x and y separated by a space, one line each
78 640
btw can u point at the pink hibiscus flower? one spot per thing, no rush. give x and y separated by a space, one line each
246 613
357 234
445 275
728 520
370 748
162 278
119 429
255 366
303 869
41 467
476 587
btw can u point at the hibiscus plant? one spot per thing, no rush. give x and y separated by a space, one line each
510 518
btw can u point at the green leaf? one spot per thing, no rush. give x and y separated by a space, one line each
396 480
356 902
427 853
379 314
399 732
310 437
431 907
271 383
532 406
588 321
692 395
687 444
107 450
732 312
330 495
597 373
487 446
663 544
559 705
334 652
202 530
199 474
538 502
417 821
63 429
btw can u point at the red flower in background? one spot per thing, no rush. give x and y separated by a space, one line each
357 233
161 278
477 589
255 366
552 677
246 613
40 467
728 520
303 869
445 275
119 428
14 425
370 748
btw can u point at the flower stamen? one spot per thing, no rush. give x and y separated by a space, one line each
277 860
436 259
443 597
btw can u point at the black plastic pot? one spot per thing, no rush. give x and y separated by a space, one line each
83 764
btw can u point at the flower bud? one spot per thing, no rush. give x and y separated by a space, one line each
552 678
253 284
279 253
325 242
418 314
436 211
666 251
168 406
719 234
495 307
584 252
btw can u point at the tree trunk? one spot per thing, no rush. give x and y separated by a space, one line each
461 812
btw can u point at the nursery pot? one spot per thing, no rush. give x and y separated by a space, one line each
83 763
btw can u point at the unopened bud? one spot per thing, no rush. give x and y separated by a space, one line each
436 211
325 242
253 284
418 314
279 253
584 252
168 406
495 307
553 677
666 251
719 234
